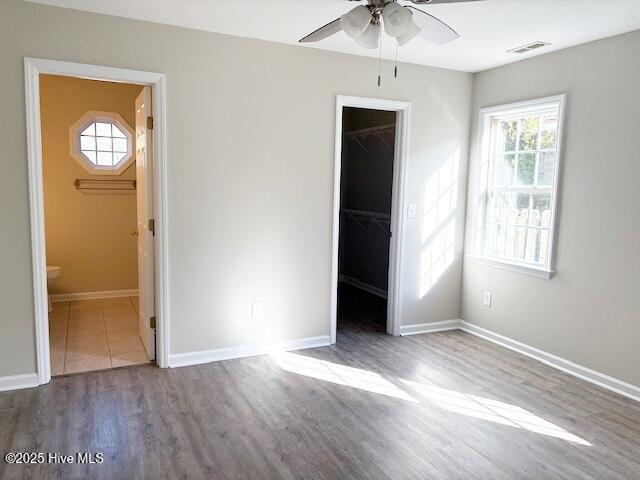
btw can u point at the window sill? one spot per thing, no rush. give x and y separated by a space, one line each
514 267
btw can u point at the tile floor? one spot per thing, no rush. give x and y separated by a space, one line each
91 335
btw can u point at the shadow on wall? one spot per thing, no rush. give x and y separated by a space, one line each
439 223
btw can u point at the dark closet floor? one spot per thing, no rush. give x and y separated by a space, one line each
359 310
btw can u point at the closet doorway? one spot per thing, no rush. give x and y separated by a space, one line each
371 141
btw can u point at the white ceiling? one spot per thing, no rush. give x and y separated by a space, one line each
488 28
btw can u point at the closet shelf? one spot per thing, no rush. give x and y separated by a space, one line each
365 214
360 136
362 218
365 132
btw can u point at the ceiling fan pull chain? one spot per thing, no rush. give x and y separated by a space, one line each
380 59
395 69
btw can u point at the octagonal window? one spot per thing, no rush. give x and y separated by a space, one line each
102 143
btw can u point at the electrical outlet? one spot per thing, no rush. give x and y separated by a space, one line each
411 210
256 310
486 299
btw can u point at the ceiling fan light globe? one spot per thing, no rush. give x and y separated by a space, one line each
397 19
412 32
370 38
355 22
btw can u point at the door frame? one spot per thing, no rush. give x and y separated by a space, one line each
33 68
398 202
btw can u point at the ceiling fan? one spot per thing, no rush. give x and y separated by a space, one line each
364 23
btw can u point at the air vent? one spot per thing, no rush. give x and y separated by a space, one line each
529 47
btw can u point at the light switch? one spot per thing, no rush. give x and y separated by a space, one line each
256 310
411 210
486 299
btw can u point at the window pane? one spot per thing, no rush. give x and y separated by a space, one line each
532 250
521 213
546 167
528 134
526 168
507 136
520 242
105 159
523 201
544 245
104 144
119 145
540 210
502 207
103 129
90 130
499 242
549 129
87 143
505 165
509 236
117 156
117 132
91 156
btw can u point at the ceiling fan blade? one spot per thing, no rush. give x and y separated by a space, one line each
433 2
323 32
432 29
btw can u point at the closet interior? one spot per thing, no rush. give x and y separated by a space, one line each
368 144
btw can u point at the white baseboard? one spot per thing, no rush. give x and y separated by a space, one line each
433 327
215 355
15 382
584 373
354 282
70 297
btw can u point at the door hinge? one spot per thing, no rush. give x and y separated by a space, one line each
152 322
150 123
152 226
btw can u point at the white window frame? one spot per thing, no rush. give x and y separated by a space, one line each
104 117
483 172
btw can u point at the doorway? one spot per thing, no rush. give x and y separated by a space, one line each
115 151
368 141
368 226
96 193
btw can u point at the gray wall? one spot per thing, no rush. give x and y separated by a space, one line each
249 192
589 312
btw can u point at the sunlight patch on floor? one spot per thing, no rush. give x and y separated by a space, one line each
340 375
492 410
469 405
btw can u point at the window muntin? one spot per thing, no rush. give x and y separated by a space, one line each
516 208
102 142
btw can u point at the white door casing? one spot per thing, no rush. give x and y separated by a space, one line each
144 194
401 153
33 68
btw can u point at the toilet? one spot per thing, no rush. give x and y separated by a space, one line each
53 272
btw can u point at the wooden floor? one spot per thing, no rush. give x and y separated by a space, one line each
438 406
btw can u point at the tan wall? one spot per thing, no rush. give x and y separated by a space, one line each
87 232
249 192
589 312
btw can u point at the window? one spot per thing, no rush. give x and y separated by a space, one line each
102 143
517 184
